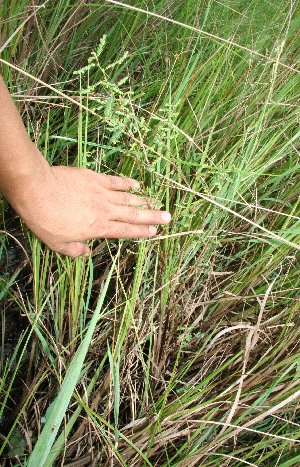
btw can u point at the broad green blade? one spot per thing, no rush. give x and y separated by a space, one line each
60 404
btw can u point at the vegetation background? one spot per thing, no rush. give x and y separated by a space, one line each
181 350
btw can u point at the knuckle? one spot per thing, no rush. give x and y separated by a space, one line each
126 230
101 210
86 175
102 229
133 215
143 232
114 182
157 219
91 202
126 199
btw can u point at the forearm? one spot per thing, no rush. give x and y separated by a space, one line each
21 164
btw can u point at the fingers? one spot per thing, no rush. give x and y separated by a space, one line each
133 215
117 183
73 249
126 230
127 199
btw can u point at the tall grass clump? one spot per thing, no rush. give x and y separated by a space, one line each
179 350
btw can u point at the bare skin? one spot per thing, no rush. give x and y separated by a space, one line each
64 206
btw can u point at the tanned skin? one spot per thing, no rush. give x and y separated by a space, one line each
64 206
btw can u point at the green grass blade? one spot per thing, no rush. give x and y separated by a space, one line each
59 406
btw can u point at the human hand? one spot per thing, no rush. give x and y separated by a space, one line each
65 206
71 205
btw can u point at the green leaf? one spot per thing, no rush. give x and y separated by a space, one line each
291 462
58 407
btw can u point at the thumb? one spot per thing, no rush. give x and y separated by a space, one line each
75 249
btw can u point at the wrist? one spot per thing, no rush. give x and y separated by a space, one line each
21 183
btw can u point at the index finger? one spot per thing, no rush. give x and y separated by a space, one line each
118 183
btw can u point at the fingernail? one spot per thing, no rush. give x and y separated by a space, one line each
86 255
152 230
166 216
